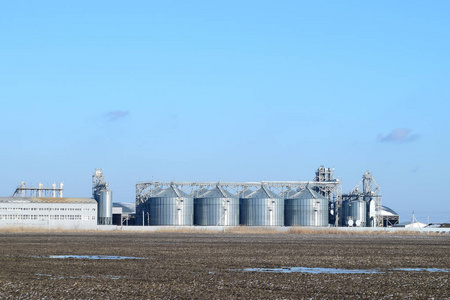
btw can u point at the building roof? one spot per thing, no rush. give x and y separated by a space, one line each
386 211
411 225
46 200
127 207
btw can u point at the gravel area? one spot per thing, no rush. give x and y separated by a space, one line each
205 265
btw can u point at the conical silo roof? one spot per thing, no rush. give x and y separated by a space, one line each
171 192
198 193
288 194
153 192
308 193
217 192
244 193
261 193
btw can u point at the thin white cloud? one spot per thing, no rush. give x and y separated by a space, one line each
116 115
398 135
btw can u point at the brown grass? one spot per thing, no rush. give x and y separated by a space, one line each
181 230
350 231
231 229
20 229
252 230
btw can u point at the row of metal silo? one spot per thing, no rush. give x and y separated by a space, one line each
219 207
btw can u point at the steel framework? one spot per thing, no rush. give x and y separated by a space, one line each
40 191
326 185
98 183
370 191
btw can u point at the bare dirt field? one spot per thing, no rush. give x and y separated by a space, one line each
210 265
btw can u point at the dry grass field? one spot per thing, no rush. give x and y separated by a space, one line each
189 265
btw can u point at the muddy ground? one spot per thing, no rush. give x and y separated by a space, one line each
208 266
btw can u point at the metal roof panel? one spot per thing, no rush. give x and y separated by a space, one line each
171 192
45 200
263 192
308 193
217 192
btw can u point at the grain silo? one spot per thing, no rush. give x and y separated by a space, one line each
170 206
216 207
354 213
143 207
261 208
103 195
306 208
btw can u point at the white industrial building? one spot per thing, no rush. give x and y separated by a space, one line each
68 213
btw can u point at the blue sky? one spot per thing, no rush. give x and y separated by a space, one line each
229 90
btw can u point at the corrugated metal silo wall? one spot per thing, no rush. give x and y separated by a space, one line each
105 204
344 213
306 212
354 210
170 211
261 211
216 211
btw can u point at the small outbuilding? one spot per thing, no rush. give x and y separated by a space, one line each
390 217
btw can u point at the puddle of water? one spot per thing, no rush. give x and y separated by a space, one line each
340 271
113 257
311 270
421 270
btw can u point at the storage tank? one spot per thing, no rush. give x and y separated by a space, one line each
261 208
171 206
103 195
105 205
142 207
354 213
216 207
306 208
